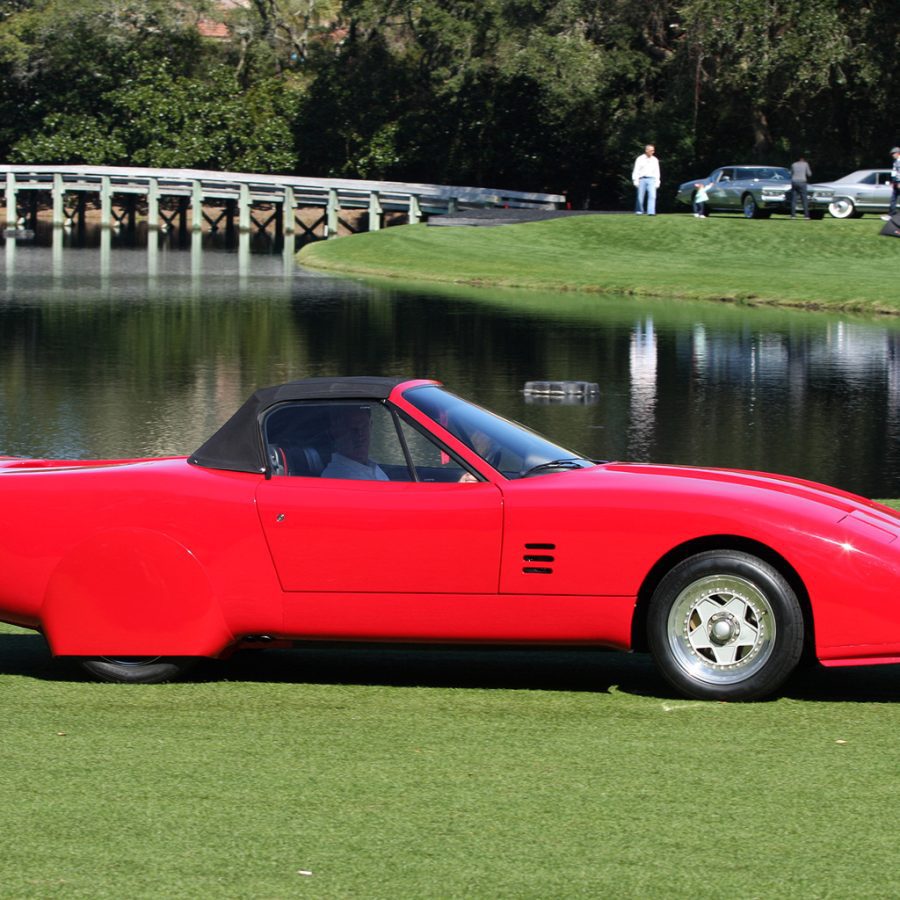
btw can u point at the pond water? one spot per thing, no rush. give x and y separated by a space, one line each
113 347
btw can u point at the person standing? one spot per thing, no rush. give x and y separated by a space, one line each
645 177
800 175
895 181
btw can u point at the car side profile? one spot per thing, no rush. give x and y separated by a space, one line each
850 197
754 191
391 510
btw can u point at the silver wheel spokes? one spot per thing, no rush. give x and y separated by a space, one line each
721 629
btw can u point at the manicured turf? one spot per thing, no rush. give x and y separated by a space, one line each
392 774
819 264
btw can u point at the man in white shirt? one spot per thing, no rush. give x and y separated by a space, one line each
645 177
351 427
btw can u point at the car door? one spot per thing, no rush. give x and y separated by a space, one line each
869 194
429 526
719 197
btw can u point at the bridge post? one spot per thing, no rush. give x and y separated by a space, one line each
331 213
244 208
375 211
287 210
153 204
196 206
105 201
59 214
415 210
12 209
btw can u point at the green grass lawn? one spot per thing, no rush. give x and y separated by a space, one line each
392 774
826 264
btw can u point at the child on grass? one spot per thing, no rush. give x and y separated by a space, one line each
701 197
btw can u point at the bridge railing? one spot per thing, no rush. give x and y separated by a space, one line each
241 195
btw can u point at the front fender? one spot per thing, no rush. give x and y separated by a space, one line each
132 592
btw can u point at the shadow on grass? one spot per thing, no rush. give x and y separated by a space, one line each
575 669
579 669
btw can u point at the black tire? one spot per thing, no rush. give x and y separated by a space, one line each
750 207
725 625
137 669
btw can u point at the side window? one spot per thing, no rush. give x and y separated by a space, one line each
432 462
353 440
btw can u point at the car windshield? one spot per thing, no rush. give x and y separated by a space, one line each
512 449
765 173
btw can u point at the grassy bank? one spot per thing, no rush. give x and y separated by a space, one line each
406 776
830 264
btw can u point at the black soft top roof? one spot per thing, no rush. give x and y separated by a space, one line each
237 447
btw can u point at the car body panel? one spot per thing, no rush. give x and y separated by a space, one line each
395 537
173 558
868 190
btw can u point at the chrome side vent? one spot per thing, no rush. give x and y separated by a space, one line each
537 559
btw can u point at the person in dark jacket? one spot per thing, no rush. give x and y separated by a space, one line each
895 180
800 175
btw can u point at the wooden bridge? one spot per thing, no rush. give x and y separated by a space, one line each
191 199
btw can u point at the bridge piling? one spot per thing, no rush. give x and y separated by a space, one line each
332 212
12 206
196 205
375 211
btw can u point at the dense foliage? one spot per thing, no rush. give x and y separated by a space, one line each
529 94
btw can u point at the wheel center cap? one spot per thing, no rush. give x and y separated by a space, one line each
722 628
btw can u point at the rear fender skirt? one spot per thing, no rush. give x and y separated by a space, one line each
132 592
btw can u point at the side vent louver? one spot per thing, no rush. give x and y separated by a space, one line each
537 560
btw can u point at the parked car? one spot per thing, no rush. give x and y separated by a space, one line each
756 191
868 190
386 509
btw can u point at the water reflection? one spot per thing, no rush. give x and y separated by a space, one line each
642 370
115 347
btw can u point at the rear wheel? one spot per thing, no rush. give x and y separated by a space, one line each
725 625
842 208
137 669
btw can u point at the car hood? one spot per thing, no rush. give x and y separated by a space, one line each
845 185
761 487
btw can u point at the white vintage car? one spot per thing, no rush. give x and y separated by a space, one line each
865 191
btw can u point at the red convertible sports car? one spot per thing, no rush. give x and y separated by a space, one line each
377 509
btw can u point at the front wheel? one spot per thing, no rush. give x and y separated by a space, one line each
751 207
725 625
137 669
